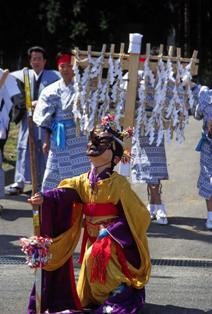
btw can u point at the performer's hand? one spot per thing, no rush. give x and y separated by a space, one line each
210 128
126 157
34 103
36 199
46 147
46 142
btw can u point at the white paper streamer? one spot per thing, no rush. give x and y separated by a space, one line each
162 104
135 43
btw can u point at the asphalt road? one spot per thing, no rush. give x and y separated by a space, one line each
181 252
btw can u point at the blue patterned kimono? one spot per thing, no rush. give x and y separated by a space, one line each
204 112
67 156
1 178
150 165
22 170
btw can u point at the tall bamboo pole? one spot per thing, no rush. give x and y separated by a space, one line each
130 104
5 74
33 168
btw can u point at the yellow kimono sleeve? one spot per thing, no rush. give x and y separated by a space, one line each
138 219
64 245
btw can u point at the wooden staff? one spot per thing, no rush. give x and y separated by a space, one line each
33 168
5 74
131 95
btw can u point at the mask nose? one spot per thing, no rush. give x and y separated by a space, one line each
95 140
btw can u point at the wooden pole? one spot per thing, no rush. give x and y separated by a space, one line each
79 54
33 167
5 74
130 62
129 110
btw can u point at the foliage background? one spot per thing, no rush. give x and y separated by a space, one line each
63 24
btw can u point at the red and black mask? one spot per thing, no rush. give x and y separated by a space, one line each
106 136
103 138
99 142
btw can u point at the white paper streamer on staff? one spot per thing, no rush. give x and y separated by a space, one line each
148 73
135 43
8 89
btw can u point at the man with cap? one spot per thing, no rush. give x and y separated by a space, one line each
114 253
39 78
54 112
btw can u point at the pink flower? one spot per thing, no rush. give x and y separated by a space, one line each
127 132
107 119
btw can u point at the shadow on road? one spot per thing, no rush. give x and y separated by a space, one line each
160 309
20 198
166 309
11 214
14 208
170 309
7 245
181 228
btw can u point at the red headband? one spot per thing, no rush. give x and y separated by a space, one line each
142 59
65 58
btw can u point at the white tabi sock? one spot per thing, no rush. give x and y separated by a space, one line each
210 215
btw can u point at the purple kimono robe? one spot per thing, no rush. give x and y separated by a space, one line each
58 287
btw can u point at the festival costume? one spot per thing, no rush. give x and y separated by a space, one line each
1 178
152 164
204 112
66 157
58 287
149 163
22 168
116 267
8 90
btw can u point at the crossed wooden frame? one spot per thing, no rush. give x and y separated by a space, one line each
133 62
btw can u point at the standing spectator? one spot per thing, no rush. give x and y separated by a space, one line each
1 181
39 78
203 112
8 90
66 151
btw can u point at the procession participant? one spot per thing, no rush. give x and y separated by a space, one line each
1 181
203 111
153 158
39 78
8 90
151 163
66 150
114 253
3 138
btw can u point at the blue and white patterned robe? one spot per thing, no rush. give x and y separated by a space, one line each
67 157
150 166
1 178
22 170
204 112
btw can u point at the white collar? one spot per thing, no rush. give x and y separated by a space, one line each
37 75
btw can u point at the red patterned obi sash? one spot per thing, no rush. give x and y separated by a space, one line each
100 209
91 230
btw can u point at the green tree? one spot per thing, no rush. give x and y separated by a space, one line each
62 24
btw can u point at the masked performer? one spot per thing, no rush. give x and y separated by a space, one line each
114 254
